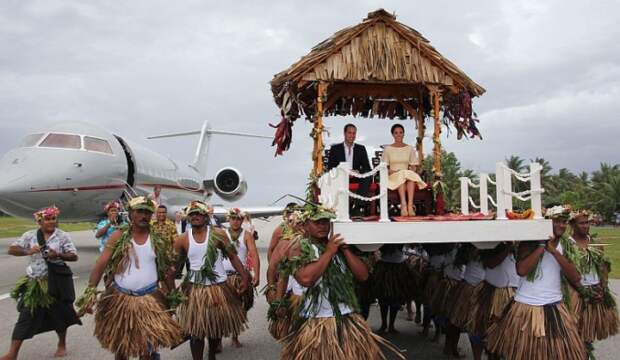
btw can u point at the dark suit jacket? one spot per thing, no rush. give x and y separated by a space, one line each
360 157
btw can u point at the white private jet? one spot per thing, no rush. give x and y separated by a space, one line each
80 167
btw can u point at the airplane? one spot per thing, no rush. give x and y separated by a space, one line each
80 167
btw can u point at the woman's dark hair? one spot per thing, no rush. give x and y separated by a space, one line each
396 126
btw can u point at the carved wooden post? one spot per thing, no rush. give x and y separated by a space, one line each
436 97
317 132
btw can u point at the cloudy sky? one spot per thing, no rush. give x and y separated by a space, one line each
138 68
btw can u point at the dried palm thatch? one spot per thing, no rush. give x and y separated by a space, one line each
127 325
282 318
490 306
378 51
381 68
536 332
211 311
317 339
465 296
247 297
595 320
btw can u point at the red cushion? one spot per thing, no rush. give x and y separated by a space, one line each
373 188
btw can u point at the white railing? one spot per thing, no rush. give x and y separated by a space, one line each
335 192
504 193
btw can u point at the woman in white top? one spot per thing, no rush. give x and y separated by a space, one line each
537 325
593 303
402 165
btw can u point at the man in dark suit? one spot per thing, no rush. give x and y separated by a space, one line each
357 157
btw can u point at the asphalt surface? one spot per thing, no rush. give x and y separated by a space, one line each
257 343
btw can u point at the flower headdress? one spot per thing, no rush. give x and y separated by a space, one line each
197 207
141 203
583 212
558 212
235 213
112 205
47 212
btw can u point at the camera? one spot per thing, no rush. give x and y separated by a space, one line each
45 251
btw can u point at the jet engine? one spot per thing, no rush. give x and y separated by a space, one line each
229 184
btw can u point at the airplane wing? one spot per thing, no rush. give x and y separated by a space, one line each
255 212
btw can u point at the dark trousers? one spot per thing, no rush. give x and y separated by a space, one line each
356 207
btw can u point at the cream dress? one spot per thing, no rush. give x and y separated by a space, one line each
398 159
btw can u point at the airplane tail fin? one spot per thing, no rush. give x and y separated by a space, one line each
202 149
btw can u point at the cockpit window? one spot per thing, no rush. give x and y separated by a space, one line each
30 140
98 145
63 141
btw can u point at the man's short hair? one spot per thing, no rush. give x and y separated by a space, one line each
162 207
347 126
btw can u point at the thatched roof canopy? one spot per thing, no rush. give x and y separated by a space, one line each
379 58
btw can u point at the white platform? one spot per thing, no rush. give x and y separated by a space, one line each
369 236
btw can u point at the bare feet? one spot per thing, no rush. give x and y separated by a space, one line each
236 343
61 351
403 212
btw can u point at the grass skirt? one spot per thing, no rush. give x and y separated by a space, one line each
596 321
126 325
527 332
441 303
464 296
432 279
417 267
281 319
211 311
317 339
247 298
393 282
489 308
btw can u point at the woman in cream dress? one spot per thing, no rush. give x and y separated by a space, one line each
402 166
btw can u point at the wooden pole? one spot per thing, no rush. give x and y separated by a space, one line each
317 132
436 97
421 129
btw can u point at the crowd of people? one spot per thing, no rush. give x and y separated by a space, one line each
193 280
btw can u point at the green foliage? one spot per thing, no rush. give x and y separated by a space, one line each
15 227
32 293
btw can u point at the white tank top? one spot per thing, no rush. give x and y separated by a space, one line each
141 273
547 288
295 286
196 254
590 278
474 273
504 274
242 251
324 308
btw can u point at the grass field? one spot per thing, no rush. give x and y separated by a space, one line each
14 227
610 235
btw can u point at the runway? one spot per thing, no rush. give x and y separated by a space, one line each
257 343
